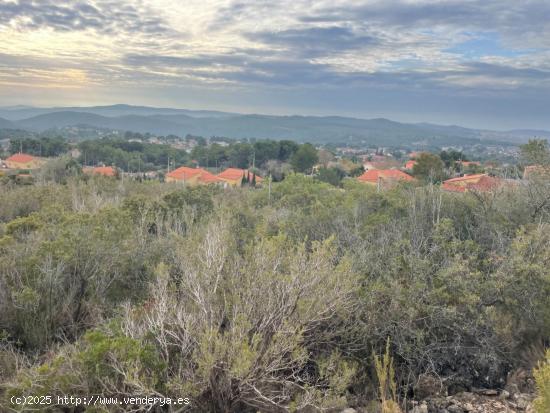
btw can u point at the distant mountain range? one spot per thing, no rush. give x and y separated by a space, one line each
317 129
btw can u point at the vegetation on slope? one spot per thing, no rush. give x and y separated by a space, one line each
271 299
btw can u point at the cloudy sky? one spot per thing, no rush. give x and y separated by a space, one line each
476 63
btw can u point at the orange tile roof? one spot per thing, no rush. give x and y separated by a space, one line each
184 172
104 170
234 174
464 178
410 164
389 174
484 184
21 158
452 188
208 178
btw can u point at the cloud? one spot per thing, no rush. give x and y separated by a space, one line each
314 42
255 47
103 16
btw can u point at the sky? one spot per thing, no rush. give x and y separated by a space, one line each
473 63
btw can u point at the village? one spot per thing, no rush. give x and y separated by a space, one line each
379 169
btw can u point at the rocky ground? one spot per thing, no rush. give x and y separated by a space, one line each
516 397
481 401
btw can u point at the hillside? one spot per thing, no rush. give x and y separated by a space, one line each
317 129
23 112
6 124
167 284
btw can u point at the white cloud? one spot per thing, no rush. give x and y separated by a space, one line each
102 45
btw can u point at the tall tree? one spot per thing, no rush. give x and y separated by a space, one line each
304 158
535 152
429 167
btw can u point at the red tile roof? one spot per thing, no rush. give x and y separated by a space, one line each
410 164
384 174
183 172
20 158
484 184
104 170
234 174
464 178
452 188
208 178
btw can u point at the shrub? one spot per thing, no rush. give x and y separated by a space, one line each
542 378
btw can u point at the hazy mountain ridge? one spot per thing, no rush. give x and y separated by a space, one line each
6 124
318 129
16 113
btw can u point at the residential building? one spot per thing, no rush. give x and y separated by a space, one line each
464 181
24 161
384 176
477 183
100 170
192 176
234 176
410 164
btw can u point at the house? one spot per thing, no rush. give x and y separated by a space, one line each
464 181
476 183
410 164
378 176
100 170
234 176
23 161
192 176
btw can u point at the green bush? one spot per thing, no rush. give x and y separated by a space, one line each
542 378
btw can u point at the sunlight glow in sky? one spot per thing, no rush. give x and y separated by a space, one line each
479 63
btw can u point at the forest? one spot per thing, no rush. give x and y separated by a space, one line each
298 296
